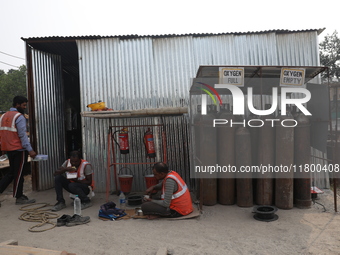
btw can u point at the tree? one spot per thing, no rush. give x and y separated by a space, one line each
330 55
12 84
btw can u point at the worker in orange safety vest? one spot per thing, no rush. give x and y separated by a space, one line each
175 200
75 176
14 141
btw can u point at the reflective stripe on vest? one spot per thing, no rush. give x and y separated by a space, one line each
80 170
12 128
10 140
180 193
181 201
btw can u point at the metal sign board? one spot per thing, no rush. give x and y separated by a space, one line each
292 77
232 76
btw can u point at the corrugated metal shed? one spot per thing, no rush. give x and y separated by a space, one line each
133 72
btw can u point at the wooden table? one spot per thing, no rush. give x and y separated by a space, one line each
5 164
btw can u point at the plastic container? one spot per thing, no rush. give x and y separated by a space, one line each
77 205
122 200
40 157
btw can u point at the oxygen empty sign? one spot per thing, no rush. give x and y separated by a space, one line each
292 77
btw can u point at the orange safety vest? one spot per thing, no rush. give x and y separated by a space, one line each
10 140
181 200
80 171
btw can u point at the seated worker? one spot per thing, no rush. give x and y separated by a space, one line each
175 198
75 176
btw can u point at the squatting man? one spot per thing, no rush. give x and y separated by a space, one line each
75 176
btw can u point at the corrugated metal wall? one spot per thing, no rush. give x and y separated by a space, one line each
49 114
156 72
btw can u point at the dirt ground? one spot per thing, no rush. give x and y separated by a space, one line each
219 230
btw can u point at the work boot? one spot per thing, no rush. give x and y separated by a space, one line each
63 220
86 205
24 200
58 206
77 220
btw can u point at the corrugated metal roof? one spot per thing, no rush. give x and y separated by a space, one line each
122 37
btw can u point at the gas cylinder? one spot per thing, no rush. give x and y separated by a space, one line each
284 159
244 186
254 137
226 157
197 122
197 125
208 151
266 157
254 129
302 181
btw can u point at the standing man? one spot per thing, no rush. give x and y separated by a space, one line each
175 199
14 140
75 176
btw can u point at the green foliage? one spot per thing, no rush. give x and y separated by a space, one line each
12 83
330 55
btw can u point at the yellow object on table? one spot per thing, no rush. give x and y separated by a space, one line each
97 106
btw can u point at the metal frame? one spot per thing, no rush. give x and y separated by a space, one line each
111 150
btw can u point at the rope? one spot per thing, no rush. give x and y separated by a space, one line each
36 215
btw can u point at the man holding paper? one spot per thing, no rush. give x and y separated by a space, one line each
75 176
14 141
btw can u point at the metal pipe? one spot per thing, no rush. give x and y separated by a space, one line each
108 166
336 145
31 107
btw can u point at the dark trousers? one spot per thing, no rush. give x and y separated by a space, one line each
80 189
150 208
17 161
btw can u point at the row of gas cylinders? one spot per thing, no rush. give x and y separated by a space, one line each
273 145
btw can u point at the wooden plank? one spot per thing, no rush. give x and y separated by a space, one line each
11 247
136 113
24 250
9 242
162 251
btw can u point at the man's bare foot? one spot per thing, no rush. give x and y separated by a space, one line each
152 217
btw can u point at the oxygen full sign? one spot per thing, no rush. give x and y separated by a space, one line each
232 76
